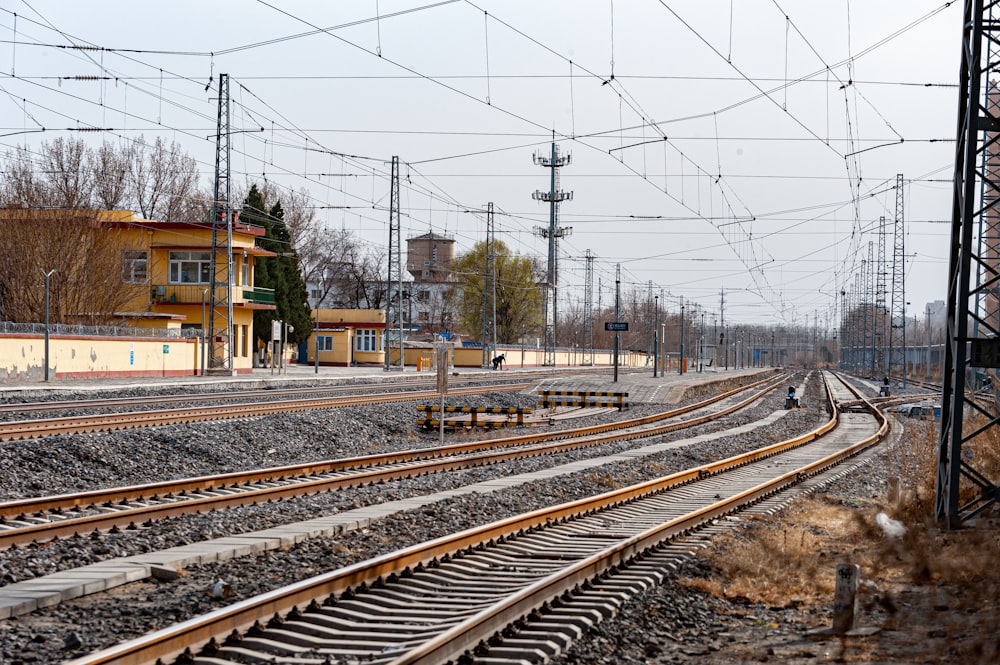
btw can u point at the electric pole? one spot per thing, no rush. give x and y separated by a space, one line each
897 321
489 292
220 323
553 197
395 278
588 309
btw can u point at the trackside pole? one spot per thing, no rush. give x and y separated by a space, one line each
441 359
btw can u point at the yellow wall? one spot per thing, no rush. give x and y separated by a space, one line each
22 357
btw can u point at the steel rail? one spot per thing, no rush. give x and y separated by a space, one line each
268 393
436 460
29 429
213 627
479 628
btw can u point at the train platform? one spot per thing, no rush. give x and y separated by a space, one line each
597 378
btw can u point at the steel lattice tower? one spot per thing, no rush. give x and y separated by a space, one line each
553 197
220 324
977 134
394 310
897 321
489 292
881 269
988 302
588 309
864 301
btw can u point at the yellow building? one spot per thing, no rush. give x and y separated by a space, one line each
131 296
347 337
175 260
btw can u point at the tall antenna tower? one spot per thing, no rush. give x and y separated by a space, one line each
394 301
897 322
588 309
220 319
553 197
489 292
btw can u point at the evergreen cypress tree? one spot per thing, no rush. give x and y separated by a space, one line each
280 273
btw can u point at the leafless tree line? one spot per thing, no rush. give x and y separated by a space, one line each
50 220
157 180
86 285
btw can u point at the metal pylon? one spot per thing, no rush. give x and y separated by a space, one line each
963 491
553 197
489 292
220 318
881 336
897 321
588 310
394 300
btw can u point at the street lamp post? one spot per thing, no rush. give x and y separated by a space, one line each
47 276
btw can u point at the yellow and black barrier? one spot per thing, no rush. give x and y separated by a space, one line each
473 411
582 398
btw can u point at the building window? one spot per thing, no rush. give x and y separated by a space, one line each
245 272
190 267
324 343
366 340
134 267
245 339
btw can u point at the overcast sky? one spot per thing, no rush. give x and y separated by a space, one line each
744 146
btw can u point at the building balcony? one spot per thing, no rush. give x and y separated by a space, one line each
194 294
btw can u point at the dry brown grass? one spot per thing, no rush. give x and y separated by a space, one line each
931 580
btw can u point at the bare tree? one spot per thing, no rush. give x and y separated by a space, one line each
22 185
163 181
70 182
87 286
109 167
50 220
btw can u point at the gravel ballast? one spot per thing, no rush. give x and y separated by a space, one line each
87 461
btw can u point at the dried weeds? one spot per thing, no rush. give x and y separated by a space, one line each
933 592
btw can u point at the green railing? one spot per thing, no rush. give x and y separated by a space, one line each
165 294
258 295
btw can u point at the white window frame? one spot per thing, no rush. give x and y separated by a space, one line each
182 263
135 266
324 342
367 339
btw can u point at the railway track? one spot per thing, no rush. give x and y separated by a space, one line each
29 429
500 590
268 394
40 519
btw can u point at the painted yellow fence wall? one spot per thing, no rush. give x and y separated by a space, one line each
22 357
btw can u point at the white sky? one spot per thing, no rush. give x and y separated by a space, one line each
782 231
